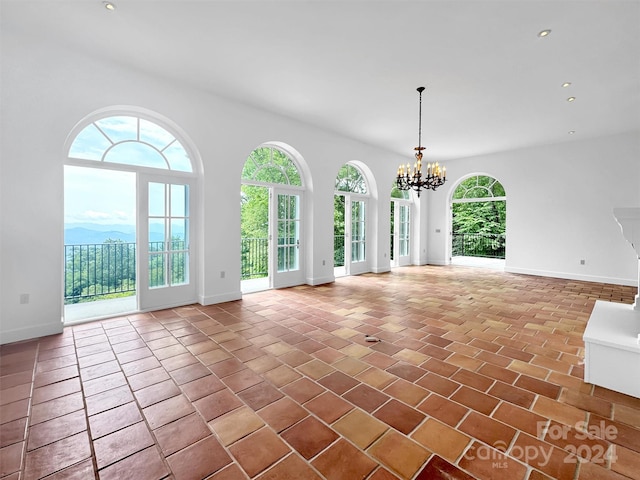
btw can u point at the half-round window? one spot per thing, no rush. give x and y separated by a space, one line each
130 140
479 186
350 179
270 165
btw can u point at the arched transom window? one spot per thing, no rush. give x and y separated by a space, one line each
270 165
130 140
479 186
350 179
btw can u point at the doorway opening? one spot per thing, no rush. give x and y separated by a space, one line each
99 242
478 210
350 204
271 221
400 251
132 183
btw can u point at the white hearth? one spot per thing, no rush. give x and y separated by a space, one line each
612 336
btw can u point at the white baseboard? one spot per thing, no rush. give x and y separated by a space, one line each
381 270
320 280
31 332
573 276
437 261
220 298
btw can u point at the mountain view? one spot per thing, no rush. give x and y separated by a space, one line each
87 233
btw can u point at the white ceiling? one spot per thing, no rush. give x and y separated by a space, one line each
353 66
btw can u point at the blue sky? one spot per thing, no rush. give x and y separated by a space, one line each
102 196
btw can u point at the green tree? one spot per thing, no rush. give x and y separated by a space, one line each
254 211
349 179
254 230
479 226
270 166
487 218
104 270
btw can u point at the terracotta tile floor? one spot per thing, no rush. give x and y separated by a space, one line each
478 375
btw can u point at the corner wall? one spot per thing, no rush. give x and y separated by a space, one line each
560 201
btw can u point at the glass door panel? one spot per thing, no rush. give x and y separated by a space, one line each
157 253
393 243
349 235
358 230
404 230
288 232
167 247
339 229
400 233
286 229
168 235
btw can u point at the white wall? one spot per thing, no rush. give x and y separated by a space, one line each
560 200
552 220
46 91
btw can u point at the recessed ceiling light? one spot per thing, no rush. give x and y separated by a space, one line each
571 99
544 33
109 6
571 132
566 84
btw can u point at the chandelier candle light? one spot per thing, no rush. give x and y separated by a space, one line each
435 176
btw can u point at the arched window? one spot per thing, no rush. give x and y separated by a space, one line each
350 221
125 170
270 165
479 186
130 140
479 218
350 179
271 208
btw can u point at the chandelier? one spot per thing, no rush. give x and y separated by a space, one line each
435 175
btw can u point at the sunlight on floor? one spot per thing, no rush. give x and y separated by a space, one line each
254 285
493 263
80 312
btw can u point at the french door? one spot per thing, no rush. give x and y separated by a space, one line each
165 260
285 254
350 248
400 233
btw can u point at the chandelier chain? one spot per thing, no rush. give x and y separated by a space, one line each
420 119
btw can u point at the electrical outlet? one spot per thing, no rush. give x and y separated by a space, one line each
24 298
222 274
324 262
582 262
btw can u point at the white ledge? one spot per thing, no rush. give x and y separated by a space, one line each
629 221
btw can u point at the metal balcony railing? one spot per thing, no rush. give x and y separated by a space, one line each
99 270
338 250
255 258
478 245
